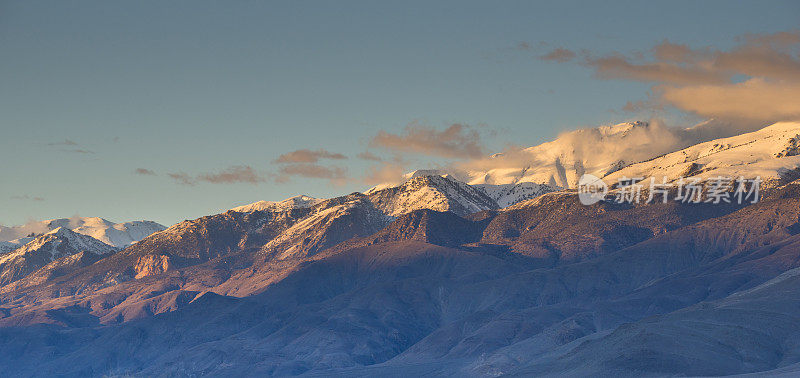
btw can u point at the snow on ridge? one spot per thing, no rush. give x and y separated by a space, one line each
118 234
768 153
562 161
77 240
115 234
311 226
50 244
608 151
423 173
435 192
509 194
296 202
438 190
406 177
621 128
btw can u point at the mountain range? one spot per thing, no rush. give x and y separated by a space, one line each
118 235
504 272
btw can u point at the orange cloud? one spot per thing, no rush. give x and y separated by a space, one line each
336 175
754 99
308 156
559 55
456 141
756 81
231 175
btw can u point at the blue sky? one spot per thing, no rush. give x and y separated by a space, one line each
91 91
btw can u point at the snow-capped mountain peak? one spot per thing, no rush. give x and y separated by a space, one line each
116 234
423 173
434 192
405 178
46 248
770 153
621 129
638 148
561 162
75 241
296 202
509 194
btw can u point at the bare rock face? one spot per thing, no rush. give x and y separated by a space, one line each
150 265
55 269
327 224
433 227
792 148
557 228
